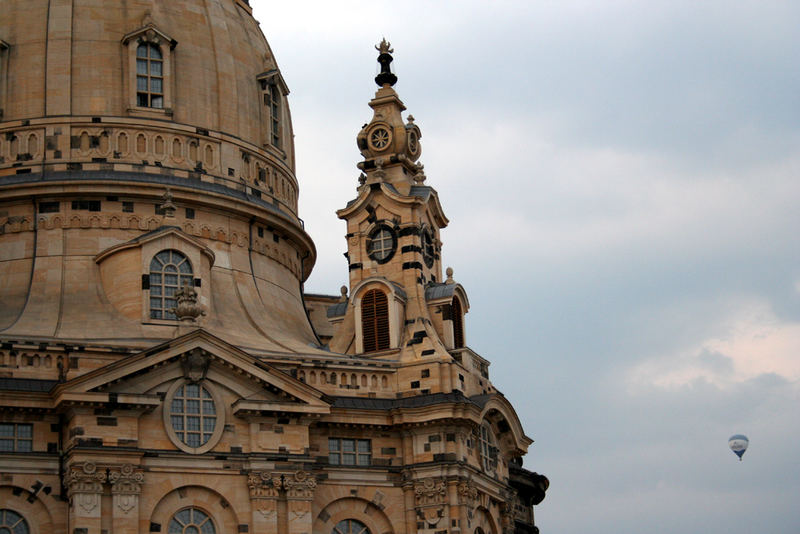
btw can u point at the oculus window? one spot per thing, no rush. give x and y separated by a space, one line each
191 521
169 271
193 416
381 244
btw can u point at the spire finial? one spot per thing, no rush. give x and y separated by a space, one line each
386 77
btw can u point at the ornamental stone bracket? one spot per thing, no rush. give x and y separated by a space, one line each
265 490
126 485
84 488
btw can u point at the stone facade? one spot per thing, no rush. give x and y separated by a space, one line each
160 368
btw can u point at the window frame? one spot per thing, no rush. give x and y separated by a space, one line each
372 237
378 324
457 322
192 510
16 438
362 528
220 415
149 34
163 286
340 452
148 76
488 450
273 94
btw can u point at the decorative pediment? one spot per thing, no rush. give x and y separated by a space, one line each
151 34
161 233
273 77
194 357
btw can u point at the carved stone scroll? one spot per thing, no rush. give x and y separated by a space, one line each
126 485
84 488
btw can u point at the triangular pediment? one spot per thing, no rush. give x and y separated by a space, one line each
195 356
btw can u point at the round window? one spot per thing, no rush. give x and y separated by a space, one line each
193 418
381 244
380 138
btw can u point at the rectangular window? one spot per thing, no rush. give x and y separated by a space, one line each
190 213
91 205
127 207
275 113
343 451
16 437
49 207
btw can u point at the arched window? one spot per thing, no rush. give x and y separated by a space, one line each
12 523
350 526
487 448
169 271
149 76
458 324
191 521
375 320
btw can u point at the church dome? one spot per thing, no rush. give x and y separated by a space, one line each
136 127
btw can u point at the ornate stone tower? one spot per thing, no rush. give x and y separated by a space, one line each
158 368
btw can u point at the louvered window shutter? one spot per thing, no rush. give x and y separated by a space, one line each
458 327
375 321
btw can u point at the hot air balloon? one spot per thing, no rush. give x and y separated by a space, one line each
738 444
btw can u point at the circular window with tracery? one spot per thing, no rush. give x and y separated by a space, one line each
380 138
193 416
381 244
191 521
12 523
350 526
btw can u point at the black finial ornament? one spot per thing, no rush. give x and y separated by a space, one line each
385 59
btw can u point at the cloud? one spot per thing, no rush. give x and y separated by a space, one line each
756 343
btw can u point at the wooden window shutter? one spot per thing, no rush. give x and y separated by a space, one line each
375 320
458 326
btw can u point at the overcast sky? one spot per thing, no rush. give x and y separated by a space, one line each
622 181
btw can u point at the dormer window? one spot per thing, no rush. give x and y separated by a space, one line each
149 76
169 271
273 90
149 69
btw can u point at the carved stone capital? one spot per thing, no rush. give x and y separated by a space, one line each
85 485
299 485
126 479
263 484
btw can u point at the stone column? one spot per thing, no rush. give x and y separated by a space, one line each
85 488
299 488
467 500
264 488
126 485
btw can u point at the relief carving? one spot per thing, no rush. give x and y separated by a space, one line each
126 485
85 485
263 484
430 496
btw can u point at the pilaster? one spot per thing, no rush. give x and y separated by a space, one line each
126 486
85 489
299 488
264 488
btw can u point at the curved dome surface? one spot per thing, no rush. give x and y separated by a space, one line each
134 127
